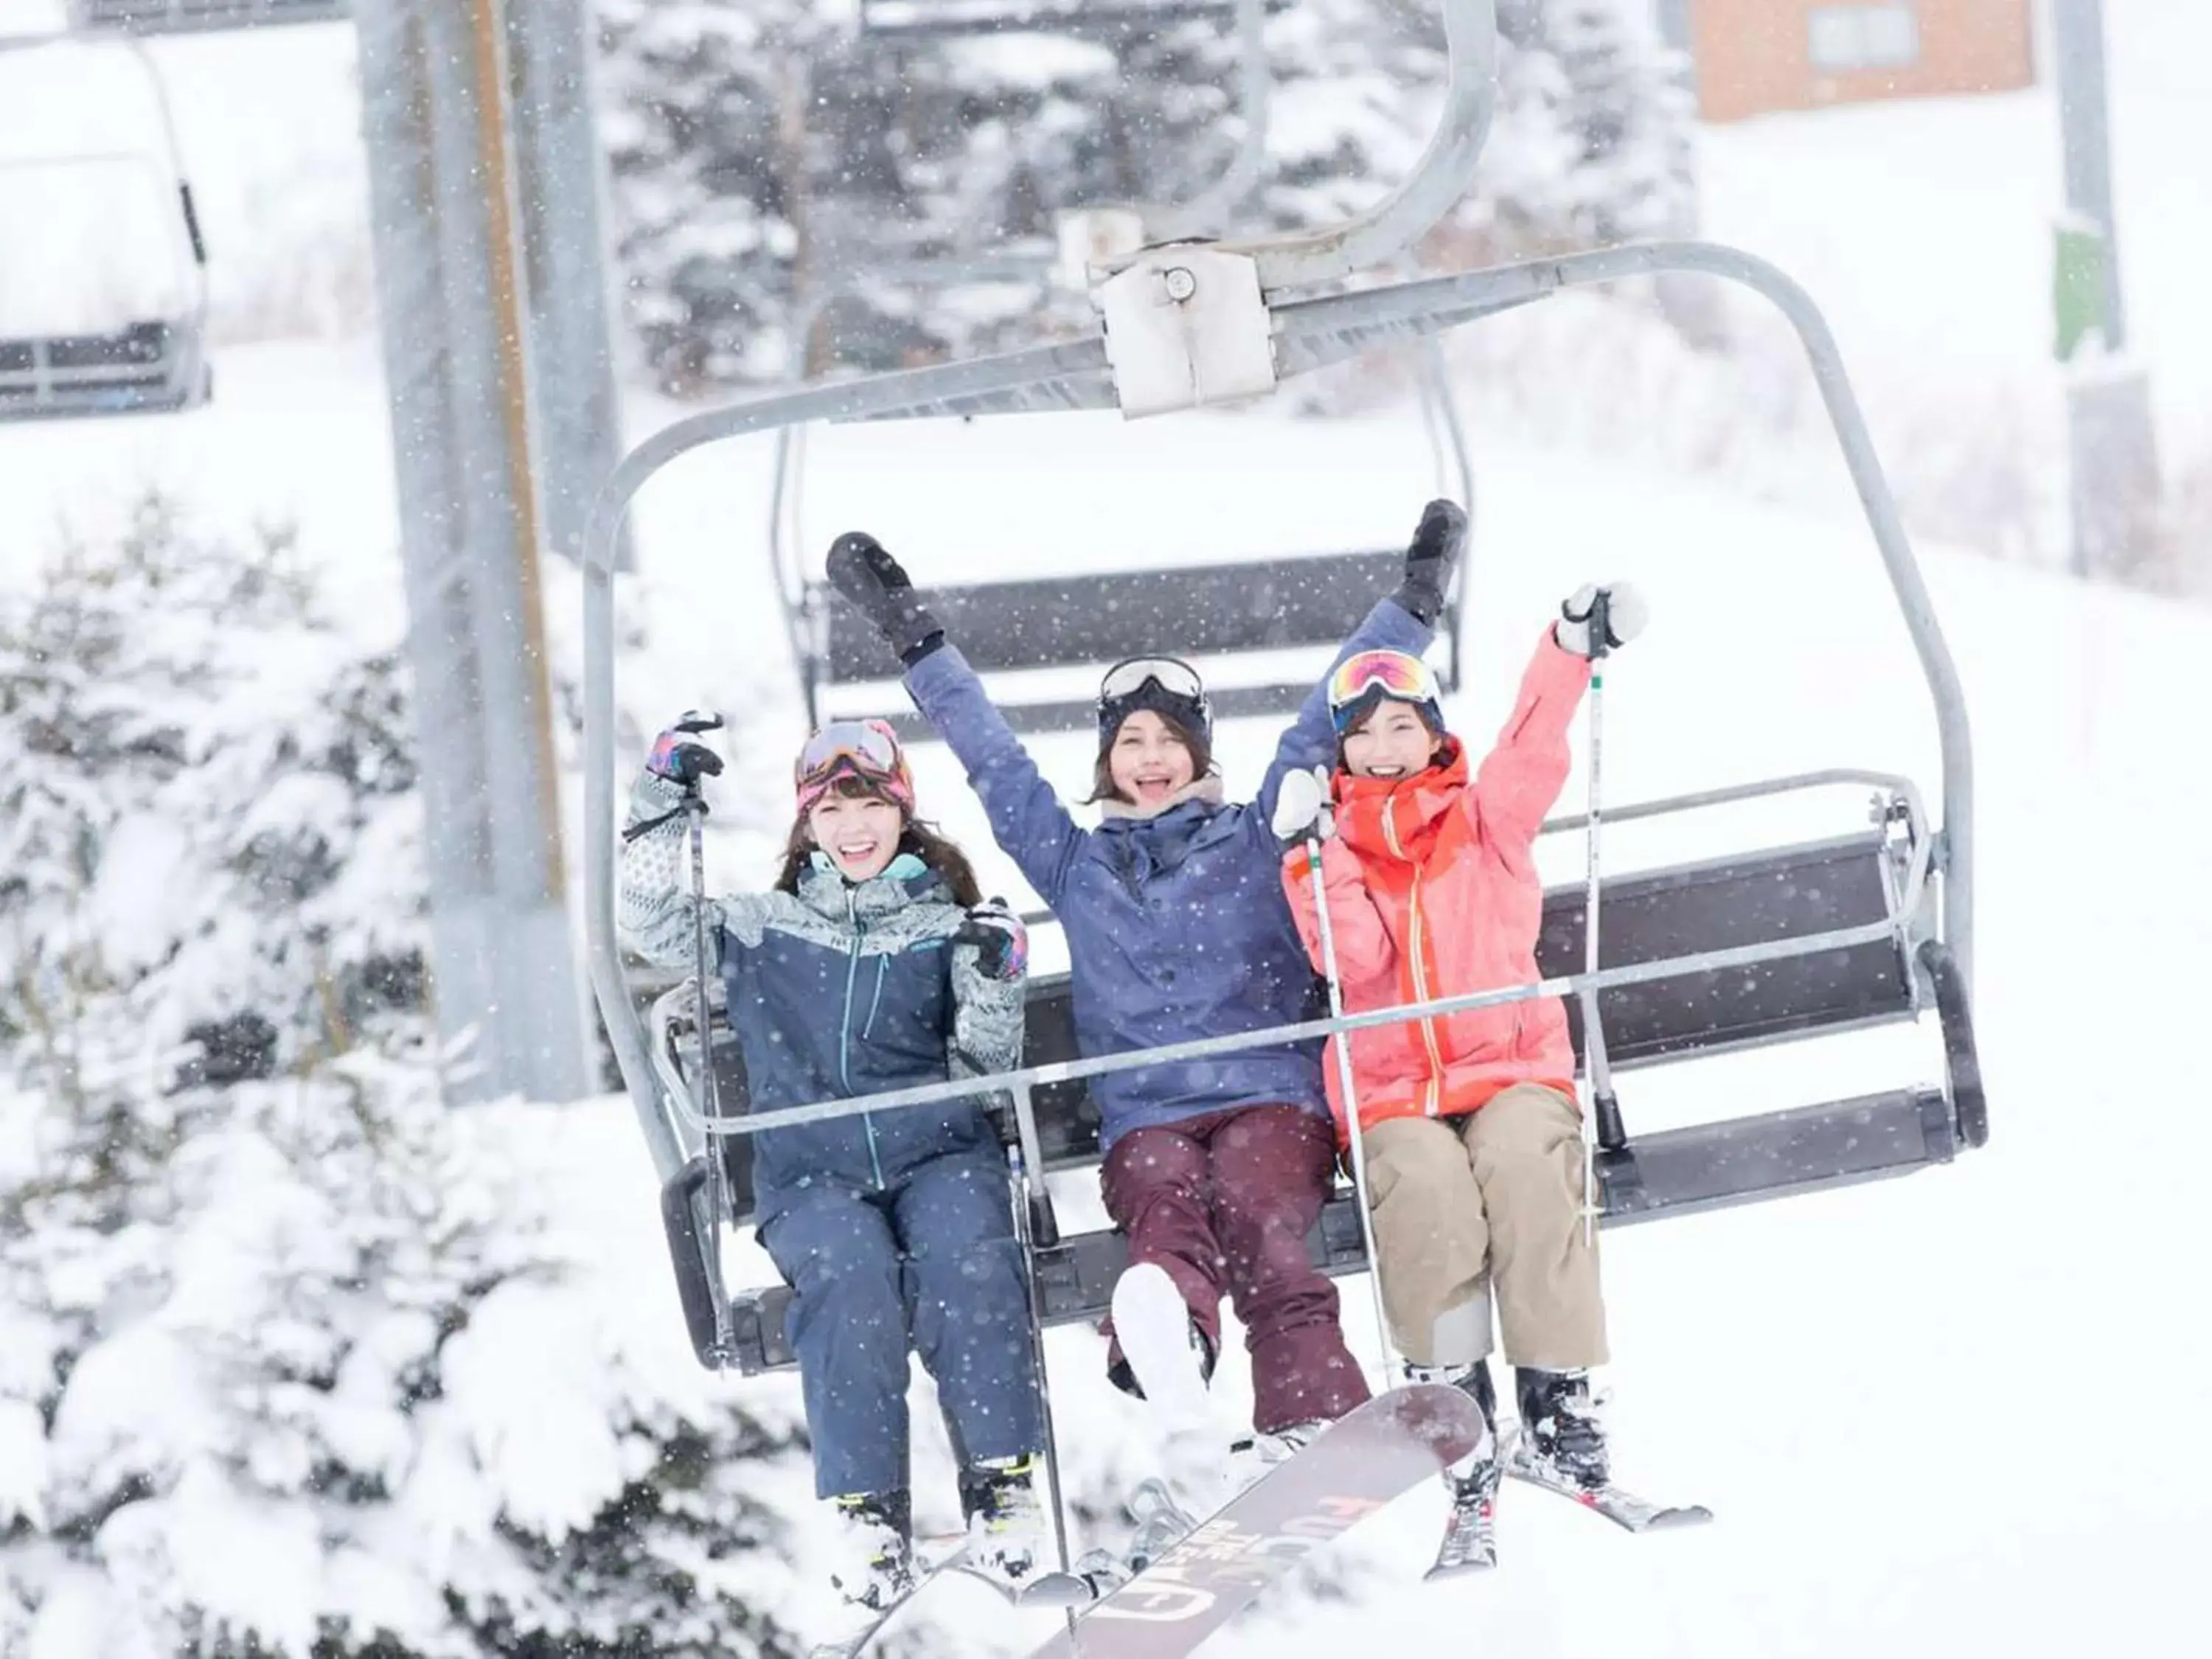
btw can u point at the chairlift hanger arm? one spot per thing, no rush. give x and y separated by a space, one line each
1392 227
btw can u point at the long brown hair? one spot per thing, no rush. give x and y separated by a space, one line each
923 839
1102 774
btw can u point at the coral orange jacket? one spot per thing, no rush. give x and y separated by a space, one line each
1433 892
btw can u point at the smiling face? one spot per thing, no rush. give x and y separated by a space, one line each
1148 761
1393 742
860 832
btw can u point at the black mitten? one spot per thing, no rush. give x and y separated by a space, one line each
860 569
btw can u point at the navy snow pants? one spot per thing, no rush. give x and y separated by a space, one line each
930 1263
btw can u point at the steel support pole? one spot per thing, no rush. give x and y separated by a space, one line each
575 411
448 291
2111 443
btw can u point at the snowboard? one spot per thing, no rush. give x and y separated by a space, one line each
1354 1468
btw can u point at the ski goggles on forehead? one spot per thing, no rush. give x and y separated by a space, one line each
1393 673
868 749
1171 674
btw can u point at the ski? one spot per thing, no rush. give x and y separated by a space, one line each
1354 1467
1470 1540
851 1646
1625 1508
1046 1588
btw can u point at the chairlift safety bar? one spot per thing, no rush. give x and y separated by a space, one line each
1892 926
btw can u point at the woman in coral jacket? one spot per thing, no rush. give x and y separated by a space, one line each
1468 1122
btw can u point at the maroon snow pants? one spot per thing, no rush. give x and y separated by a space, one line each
1225 1201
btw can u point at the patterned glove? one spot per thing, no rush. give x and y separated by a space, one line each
1002 944
676 757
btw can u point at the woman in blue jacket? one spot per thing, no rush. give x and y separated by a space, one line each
1178 930
872 965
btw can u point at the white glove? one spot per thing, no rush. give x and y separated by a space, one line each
1627 613
1301 806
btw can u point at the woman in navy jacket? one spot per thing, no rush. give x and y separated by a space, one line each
1176 930
872 965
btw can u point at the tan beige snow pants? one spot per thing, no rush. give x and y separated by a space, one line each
1488 1203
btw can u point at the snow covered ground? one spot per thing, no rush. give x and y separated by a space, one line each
1961 1412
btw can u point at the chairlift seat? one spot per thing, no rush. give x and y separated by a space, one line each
1210 610
148 367
1669 914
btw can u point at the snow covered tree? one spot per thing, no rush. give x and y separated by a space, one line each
763 151
293 1361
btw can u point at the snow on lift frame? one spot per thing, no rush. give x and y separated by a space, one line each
1212 610
1856 930
152 365
199 16
1100 20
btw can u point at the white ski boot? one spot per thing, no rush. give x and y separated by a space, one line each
1167 1360
875 1567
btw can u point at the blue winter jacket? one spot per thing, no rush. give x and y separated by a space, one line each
1176 925
837 991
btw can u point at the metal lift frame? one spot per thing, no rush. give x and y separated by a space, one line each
198 16
807 604
1308 333
153 366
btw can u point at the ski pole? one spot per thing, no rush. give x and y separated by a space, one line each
710 1096
1025 1240
1342 1043
1602 1122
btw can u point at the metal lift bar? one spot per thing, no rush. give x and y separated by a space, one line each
1089 20
154 366
1309 333
199 16
1896 926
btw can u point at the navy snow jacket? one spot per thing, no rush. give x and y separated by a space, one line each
1176 925
837 991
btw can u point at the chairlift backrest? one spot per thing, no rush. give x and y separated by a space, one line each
1202 611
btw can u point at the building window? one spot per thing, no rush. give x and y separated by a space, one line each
1862 37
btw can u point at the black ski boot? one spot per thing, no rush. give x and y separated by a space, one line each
1559 1424
1470 1541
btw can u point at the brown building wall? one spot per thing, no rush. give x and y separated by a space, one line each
1753 56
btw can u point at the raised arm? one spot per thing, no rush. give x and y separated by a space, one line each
654 910
1027 819
1404 621
1521 776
